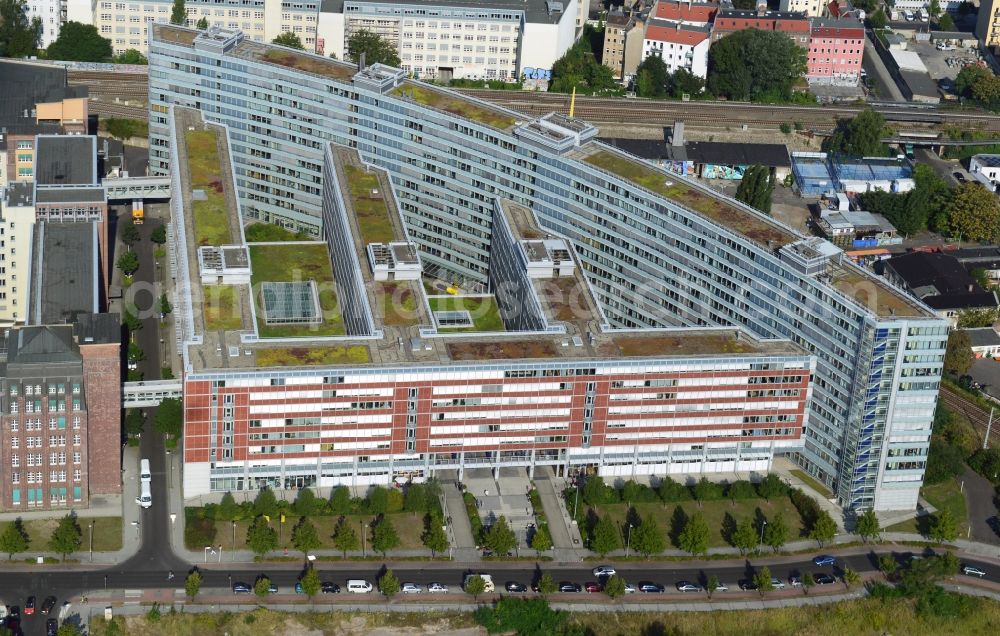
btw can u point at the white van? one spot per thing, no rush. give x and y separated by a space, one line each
359 586
145 498
487 579
144 474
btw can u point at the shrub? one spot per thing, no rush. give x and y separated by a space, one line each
785 128
525 617
199 532
806 505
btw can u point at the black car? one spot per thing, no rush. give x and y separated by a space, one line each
51 627
14 611
747 585
329 588
959 177
566 586
514 586
48 604
241 588
824 579
651 588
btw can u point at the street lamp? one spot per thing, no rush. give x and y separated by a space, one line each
207 548
91 541
576 493
364 545
628 540
763 523
220 553
233 544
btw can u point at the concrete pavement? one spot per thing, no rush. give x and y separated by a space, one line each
979 499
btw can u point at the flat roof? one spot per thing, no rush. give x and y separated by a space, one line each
456 103
534 10
729 214
93 194
874 292
66 160
64 277
19 193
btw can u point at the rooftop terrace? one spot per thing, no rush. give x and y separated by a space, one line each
209 201
752 225
455 104
280 262
368 198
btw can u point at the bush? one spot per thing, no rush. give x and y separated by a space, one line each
806 505
474 519
785 128
634 492
525 617
199 531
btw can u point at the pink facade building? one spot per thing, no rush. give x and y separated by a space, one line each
836 48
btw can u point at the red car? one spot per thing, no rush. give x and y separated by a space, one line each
593 587
29 606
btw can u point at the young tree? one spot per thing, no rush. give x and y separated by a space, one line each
169 420
434 537
261 537
546 585
615 586
135 421
500 538
711 585
694 537
388 584
706 490
306 503
868 526
741 489
80 43
878 19
344 537
887 563
128 262
851 577
824 528
165 306
944 527
475 585
974 213
377 49
647 539
310 582
771 487
767 74
946 22
605 536
19 35
265 503
340 500
14 539
934 8
305 538
684 82
384 537
671 491
542 539
129 234
290 40
131 321
762 579
202 24
756 187
744 537
595 492
377 500
807 582
415 498
178 14
192 584
227 509
652 77
262 587
159 234
776 533
130 56
66 537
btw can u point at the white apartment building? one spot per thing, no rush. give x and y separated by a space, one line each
51 13
126 23
812 8
679 45
492 39
17 218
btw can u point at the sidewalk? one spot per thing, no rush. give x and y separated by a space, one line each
566 541
463 543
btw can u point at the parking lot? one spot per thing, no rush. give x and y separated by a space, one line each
941 64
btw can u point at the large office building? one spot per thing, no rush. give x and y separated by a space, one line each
656 250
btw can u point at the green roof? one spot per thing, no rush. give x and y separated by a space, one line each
455 104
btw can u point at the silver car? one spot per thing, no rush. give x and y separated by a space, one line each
971 570
411 588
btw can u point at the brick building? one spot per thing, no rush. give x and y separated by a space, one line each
794 25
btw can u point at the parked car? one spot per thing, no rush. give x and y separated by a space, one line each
649 587
241 588
437 588
959 177
328 587
514 586
688 586
629 588
824 579
971 570
777 583
48 604
603 570
411 588
747 585
593 586
51 627
29 606
795 581
566 586
721 587
824 559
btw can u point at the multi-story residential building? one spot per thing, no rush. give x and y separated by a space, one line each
623 39
60 428
680 45
657 250
126 24
794 25
686 11
494 39
17 222
988 23
836 48
51 13
812 8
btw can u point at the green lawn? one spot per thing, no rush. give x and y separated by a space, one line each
107 533
398 303
270 233
222 310
812 482
713 511
211 218
941 496
277 263
483 309
372 211
409 526
310 356
454 104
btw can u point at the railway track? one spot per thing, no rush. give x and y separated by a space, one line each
977 416
110 109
